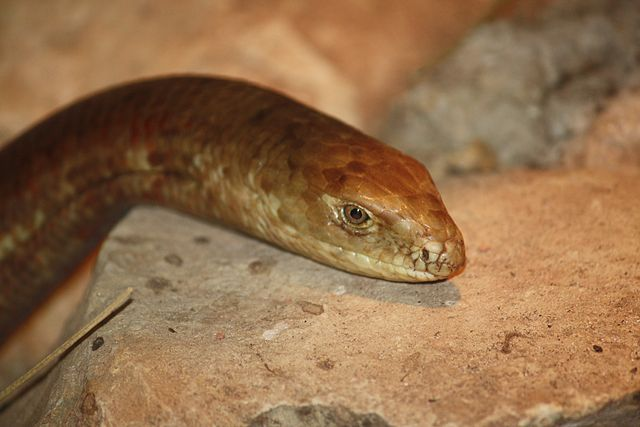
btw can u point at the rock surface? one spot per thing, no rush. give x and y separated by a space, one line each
613 140
543 327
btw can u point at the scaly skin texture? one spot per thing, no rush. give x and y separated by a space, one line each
223 150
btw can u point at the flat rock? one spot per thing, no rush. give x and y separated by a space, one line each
543 327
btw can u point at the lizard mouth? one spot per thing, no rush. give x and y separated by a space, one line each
434 261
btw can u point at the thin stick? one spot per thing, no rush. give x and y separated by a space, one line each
37 370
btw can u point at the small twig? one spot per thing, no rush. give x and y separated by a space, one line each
44 363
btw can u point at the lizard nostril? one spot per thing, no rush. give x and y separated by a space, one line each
425 256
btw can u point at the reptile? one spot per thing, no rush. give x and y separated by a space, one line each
220 149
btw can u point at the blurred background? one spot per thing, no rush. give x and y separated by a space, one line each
348 58
464 86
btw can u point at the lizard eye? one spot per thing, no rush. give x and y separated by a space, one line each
355 215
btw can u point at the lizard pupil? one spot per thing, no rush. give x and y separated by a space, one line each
354 214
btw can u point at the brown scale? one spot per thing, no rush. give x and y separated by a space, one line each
219 149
